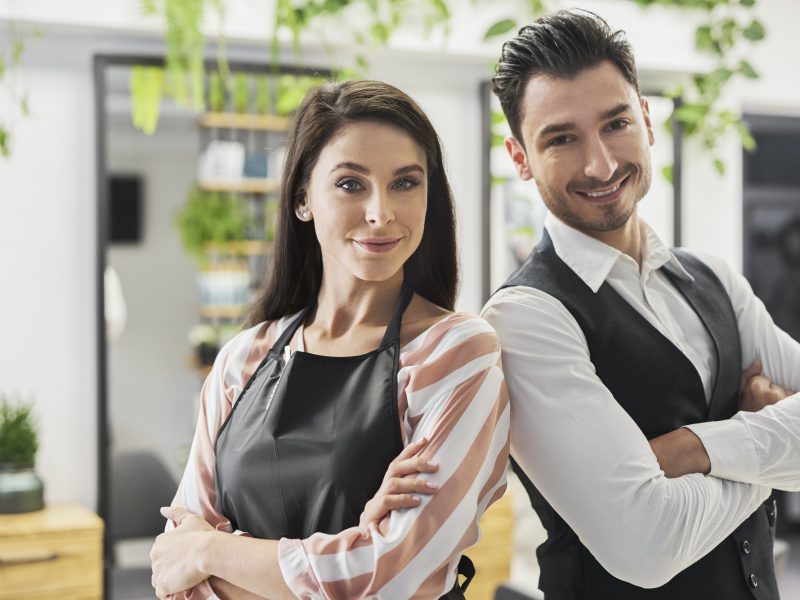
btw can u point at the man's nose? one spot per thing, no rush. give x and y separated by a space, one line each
599 162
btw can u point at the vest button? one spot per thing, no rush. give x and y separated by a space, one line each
746 547
753 581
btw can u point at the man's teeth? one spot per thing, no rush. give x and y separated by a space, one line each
601 194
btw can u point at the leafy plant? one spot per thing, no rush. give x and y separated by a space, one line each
216 92
291 91
146 86
18 433
211 217
263 97
727 36
241 92
10 57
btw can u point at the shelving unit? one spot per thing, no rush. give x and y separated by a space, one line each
247 185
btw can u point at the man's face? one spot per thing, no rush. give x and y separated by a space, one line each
586 146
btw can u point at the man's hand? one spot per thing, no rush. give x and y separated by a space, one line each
758 391
680 452
176 555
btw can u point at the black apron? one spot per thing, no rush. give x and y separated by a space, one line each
309 440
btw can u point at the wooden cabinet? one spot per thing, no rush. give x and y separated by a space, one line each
55 553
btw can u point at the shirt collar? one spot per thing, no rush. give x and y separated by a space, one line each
592 260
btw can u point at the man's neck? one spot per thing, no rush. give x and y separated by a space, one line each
627 239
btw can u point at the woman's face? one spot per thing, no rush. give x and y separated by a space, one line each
367 197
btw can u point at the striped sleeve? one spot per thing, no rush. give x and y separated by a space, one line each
232 368
451 390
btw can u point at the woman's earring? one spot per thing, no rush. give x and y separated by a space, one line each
304 215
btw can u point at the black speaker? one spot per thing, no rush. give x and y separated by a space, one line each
125 199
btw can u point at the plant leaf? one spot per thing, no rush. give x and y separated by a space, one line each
667 172
719 166
746 69
499 28
755 31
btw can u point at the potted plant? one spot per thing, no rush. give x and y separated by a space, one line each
21 490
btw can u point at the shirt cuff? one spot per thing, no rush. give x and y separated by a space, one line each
296 569
730 449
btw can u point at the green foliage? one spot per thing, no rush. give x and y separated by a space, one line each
216 92
146 85
18 433
383 19
499 28
11 54
241 92
211 217
291 91
263 96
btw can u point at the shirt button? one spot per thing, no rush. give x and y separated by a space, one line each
746 547
753 581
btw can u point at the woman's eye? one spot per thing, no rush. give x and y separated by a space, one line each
406 183
349 185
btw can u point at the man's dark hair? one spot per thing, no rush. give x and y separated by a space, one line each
559 45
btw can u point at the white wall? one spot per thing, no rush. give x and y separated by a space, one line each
47 191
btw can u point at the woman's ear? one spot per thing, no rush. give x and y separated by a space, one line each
301 209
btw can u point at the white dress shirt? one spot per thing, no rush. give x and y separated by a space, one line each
586 455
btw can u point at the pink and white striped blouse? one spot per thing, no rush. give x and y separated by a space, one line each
450 390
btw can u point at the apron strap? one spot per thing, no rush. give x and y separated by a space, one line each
465 569
288 333
392 334
390 337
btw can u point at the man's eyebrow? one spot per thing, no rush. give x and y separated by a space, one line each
567 126
556 128
618 109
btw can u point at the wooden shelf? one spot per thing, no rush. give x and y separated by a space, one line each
242 248
244 186
224 312
216 120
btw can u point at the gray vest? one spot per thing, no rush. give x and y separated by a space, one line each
657 385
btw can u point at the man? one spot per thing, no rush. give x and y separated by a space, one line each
610 340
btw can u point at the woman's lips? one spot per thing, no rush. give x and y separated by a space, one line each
605 195
378 245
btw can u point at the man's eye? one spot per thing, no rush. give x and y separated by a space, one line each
560 140
618 124
349 185
407 183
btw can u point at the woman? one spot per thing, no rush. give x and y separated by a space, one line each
353 353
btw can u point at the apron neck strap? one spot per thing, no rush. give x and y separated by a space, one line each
391 336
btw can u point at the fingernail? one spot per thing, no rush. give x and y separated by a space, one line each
432 463
432 485
415 498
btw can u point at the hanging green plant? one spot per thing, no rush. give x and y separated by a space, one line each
241 92
216 92
146 85
11 55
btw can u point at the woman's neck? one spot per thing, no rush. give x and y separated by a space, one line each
345 307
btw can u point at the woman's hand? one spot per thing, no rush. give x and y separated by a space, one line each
399 489
176 556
